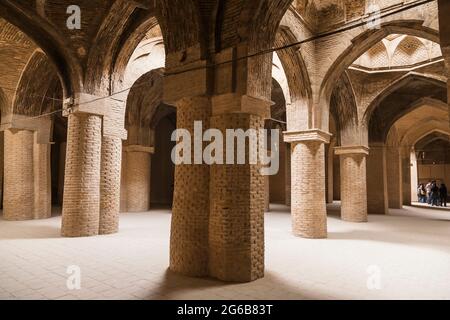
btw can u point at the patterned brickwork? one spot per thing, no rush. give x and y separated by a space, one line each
190 212
81 205
137 187
110 185
18 199
309 217
353 187
236 228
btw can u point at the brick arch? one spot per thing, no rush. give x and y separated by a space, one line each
294 66
33 97
387 107
366 40
108 39
344 109
142 103
3 103
431 137
135 35
45 35
181 24
425 130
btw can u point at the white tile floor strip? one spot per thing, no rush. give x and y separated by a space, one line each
406 253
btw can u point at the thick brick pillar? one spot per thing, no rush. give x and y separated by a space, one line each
236 228
190 211
18 197
137 178
353 183
308 207
42 180
81 205
377 200
394 177
111 160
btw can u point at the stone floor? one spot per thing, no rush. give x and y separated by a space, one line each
405 255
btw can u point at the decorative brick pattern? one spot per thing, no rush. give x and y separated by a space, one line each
236 227
110 185
81 204
190 212
309 216
353 187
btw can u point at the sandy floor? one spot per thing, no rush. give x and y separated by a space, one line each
405 255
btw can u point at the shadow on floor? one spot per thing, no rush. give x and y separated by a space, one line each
174 283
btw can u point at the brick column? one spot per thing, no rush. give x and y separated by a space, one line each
137 178
377 201
190 212
18 197
353 182
111 160
42 180
236 227
406 175
288 175
81 204
308 207
414 176
394 177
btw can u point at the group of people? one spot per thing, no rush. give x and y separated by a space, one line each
433 194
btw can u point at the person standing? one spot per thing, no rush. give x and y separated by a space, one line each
434 194
443 193
428 192
421 194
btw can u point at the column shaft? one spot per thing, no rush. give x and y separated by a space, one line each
394 178
42 181
309 215
236 227
137 186
18 197
190 212
353 187
81 203
377 202
111 161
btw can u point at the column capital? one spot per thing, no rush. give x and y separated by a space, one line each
351 150
112 112
85 103
138 148
307 135
238 103
41 125
185 81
